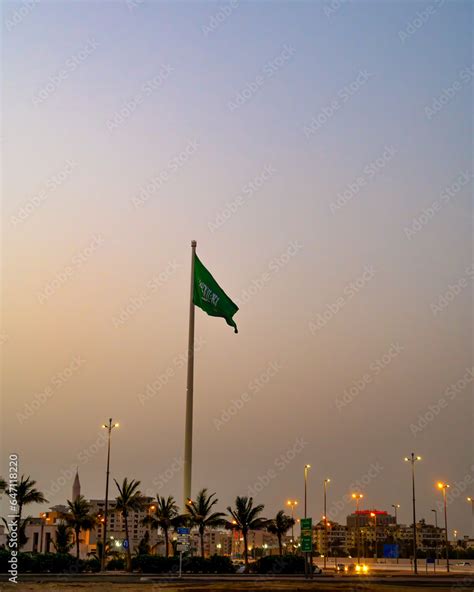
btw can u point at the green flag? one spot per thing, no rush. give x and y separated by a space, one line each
208 295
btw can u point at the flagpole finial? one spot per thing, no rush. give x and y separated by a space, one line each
193 243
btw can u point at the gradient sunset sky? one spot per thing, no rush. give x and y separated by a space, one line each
321 155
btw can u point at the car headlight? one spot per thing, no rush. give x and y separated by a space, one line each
357 567
346 568
365 568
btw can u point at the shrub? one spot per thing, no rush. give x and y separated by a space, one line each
116 564
274 564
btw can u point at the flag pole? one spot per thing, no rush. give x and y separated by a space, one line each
188 437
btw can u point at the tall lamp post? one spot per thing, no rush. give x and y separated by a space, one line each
306 468
436 526
326 481
471 501
374 516
396 507
109 427
443 487
412 459
357 497
292 504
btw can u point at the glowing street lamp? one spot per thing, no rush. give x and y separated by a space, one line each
292 504
412 459
443 487
374 516
109 427
357 497
471 501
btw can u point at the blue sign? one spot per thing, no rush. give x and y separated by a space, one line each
183 530
125 544
430 560
390 551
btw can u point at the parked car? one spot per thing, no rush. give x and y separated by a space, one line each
356 568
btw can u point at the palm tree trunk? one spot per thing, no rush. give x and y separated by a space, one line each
279 544
165 530
246 550
129 553
201 536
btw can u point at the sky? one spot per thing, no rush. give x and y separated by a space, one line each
320 153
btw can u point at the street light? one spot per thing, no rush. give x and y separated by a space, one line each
357 497
374 516
326 481
443 487
109 427
395 507
292 503
436 526
412 459
44 518
471 501
306 467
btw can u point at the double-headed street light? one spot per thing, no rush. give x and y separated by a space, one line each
109 427
306 468
326 481
412 459
443 487
357 497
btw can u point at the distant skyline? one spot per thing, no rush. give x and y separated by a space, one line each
321 155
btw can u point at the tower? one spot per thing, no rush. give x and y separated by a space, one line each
76 487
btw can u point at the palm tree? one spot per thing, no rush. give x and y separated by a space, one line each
130 499
246 517
79 518
165 516
63 543
280 525
26 493
3 484
200 512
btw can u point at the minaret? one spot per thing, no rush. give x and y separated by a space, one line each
76 487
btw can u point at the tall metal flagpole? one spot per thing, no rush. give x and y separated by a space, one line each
188 437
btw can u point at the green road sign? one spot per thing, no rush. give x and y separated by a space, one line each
306 535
